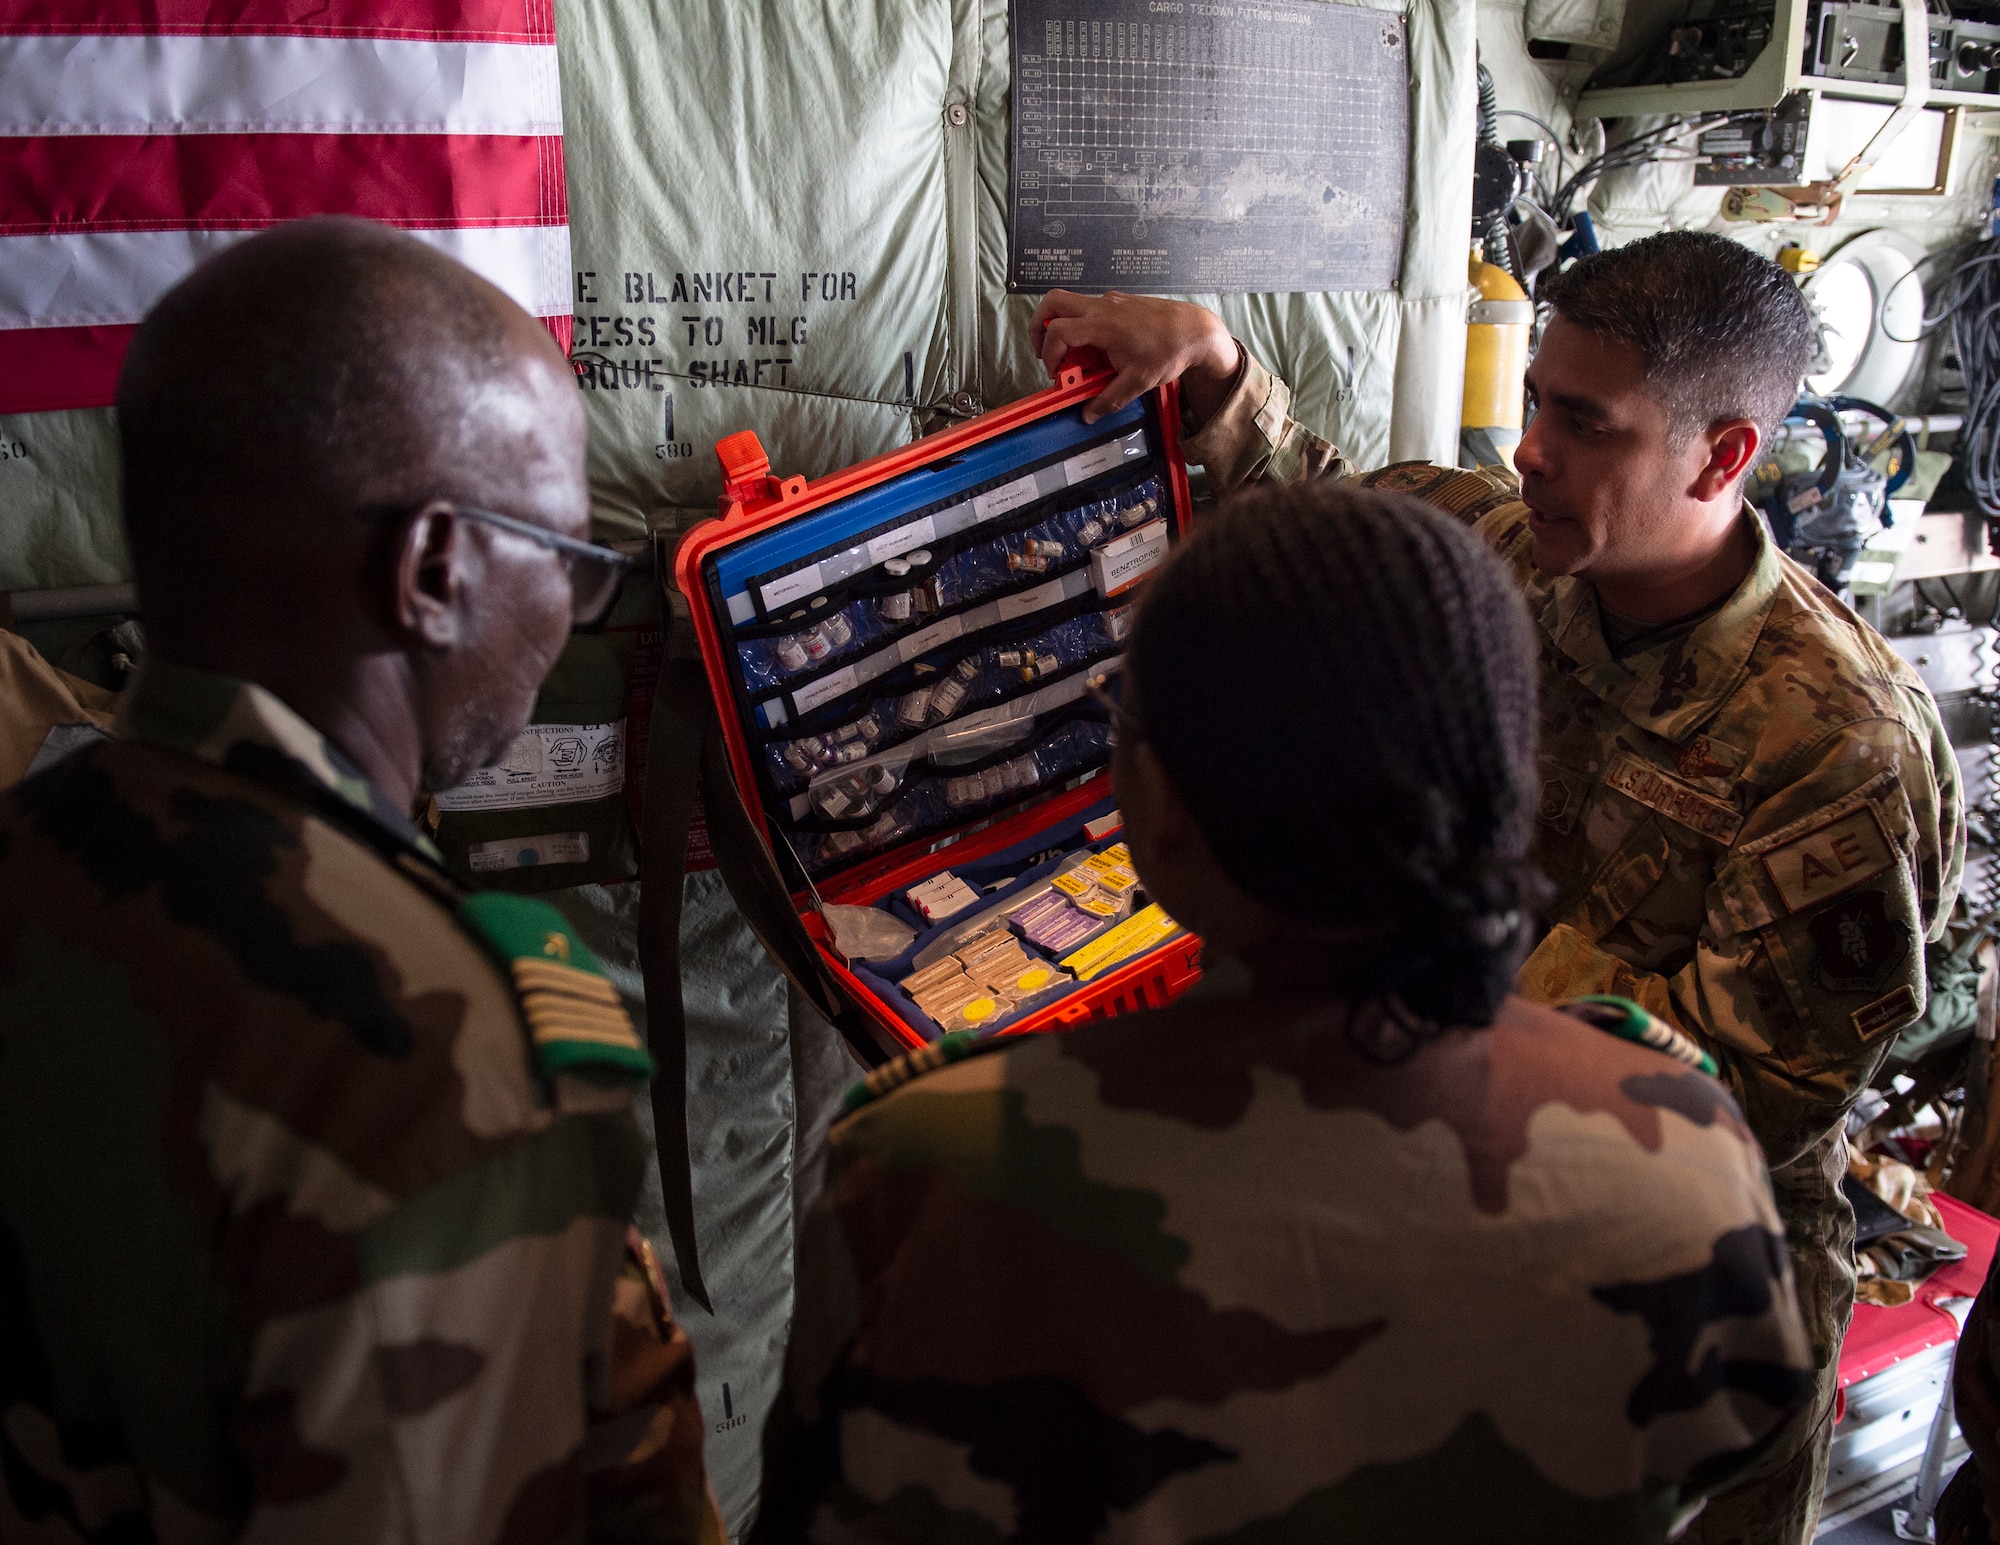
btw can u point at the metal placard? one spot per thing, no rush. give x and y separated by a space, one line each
1170 146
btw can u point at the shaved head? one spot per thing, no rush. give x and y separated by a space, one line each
298 419
318 369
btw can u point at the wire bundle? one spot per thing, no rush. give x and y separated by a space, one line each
1969 299
1654 145
1971 302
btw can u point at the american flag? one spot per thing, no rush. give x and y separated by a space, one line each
139 136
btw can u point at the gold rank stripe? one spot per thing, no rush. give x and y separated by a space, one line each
533 973
542 1005
564 1027
544 1034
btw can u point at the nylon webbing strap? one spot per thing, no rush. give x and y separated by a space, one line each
681 718
684 747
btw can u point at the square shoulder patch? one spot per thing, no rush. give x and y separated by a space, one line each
1830 859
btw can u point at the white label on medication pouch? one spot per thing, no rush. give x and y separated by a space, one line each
550 764
1098 458
893 544
1012 606
529 852
825 690
1008 496
1117 565
924 640
787 588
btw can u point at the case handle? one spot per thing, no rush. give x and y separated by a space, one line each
1080 362
746 476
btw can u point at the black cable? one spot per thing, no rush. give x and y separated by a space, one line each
1515 112
1971 303
1653 145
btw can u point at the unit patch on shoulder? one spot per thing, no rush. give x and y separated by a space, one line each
1406 477
1856 943
1662 791
1823 863
574 1017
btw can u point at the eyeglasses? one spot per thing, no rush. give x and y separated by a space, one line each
1124 723
595 573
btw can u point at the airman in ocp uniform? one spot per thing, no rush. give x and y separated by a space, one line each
1748 804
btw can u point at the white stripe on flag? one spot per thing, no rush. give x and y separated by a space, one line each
237 85
104 278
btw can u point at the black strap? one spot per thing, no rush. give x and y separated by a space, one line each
673 762
684 747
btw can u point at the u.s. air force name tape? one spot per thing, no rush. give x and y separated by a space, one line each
574 1017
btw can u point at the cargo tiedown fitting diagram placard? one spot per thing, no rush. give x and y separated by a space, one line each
1172 146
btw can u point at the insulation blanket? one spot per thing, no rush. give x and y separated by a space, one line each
782 217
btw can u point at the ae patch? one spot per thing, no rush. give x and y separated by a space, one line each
1835 858
1857 945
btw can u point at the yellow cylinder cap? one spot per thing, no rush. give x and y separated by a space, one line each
1493 282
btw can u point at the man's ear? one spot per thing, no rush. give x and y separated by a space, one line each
1732 446
429 574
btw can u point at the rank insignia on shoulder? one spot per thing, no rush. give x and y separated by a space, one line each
1626 1020
574 1016
952 1046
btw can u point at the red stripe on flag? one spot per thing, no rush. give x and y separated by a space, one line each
222 182
470 21
45 368
42 368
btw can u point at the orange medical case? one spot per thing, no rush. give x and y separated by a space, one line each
899 654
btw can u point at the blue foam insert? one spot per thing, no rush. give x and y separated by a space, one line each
841 523
1064 838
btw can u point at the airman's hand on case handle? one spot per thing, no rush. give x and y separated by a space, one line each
1148 340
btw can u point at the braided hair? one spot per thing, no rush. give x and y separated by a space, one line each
1341 686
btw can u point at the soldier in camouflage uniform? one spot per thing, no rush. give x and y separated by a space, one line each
1747 802
1350 1243
316 1171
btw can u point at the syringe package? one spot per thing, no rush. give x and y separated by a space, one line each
903 654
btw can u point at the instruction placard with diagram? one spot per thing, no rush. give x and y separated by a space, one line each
1173 146
548 764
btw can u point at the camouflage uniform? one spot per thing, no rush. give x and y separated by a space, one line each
1753 826
1205 1273
1969 1511
314 1174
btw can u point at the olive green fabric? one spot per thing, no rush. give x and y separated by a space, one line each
814 150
